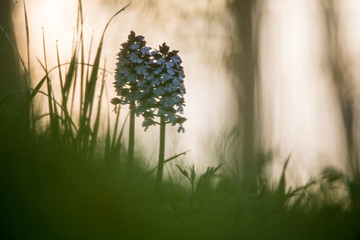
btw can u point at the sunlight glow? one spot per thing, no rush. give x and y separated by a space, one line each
299 111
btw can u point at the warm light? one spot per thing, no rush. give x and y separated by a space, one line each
299 112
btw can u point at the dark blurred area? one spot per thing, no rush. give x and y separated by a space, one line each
10 79
242 63
338 61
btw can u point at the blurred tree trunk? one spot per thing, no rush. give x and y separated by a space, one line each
243 65
340 74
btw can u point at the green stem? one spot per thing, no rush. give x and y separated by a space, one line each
131 138
161 153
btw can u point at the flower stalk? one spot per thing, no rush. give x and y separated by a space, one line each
152 83
130 72
130 160
161 153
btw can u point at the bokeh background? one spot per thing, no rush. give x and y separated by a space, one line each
270 77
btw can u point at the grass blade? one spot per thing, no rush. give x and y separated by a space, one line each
169 160
97 119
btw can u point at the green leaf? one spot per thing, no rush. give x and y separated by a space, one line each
282 183
183 171
193 173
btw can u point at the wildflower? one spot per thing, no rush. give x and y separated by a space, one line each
131 69
153 85
165 88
